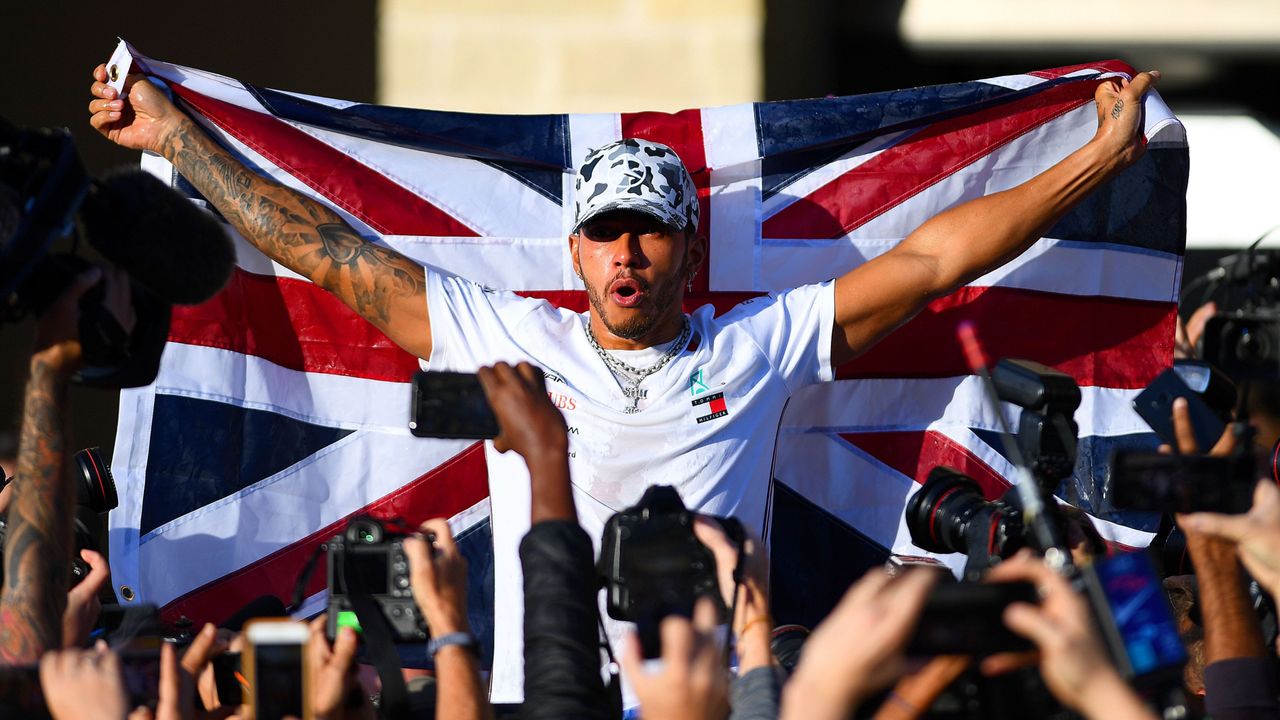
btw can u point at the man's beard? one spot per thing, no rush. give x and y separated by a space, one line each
637 325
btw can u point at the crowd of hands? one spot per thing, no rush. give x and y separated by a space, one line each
854 654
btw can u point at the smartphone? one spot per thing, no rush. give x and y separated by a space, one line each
1135 616
140 670
451 405
229 679
274 662
1147 480
967 618
1155 406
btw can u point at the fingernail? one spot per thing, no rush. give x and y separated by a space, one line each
1180 403
1155 74
113 114
117 104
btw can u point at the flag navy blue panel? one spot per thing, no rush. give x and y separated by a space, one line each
790 131
203 451
816 557
1144 207
531 148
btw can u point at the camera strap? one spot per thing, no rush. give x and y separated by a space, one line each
614 687
394 704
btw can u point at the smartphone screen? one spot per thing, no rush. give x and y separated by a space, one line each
451 405
968 618
1141 618
277 681
1145 480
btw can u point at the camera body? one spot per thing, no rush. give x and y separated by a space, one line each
652 565
1244 345
368 560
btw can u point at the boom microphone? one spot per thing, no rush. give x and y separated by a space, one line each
167 244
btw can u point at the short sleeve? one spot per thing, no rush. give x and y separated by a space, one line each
793 330
470 323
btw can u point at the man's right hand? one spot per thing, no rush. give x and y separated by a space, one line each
140 120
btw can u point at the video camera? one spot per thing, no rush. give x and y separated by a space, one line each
367 564
950 514
652 565
173 251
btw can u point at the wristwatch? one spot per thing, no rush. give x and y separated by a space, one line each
465 639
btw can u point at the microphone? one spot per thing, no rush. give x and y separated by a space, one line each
168 244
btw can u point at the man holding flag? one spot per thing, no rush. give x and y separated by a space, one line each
652 395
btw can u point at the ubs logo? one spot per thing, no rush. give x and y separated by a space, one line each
562 401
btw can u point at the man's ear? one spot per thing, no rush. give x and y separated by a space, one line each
697 252
573 255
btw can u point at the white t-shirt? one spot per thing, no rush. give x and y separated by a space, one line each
707 425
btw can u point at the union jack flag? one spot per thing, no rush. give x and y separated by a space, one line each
278 413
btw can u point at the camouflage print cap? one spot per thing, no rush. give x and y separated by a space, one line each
638 175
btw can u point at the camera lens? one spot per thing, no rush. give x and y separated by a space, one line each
97 487
939 515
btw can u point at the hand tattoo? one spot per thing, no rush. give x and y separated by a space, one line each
296 231
1117 109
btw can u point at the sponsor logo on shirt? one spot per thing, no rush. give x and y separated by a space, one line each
562 401
697 384
552 377
713 405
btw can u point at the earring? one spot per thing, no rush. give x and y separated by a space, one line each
692 275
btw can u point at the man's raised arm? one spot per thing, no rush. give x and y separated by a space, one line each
383 286
964 243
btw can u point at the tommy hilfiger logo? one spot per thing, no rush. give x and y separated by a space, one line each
714 403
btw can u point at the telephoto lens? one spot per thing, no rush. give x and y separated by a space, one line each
97 488
950 515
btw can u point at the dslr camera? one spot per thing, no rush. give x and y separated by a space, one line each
367 561
950 514
652 565
95 495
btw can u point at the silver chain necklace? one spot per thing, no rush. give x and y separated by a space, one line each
628 377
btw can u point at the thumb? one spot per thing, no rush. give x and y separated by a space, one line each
1142 82
1231 527
99 574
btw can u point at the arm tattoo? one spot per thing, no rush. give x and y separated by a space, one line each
296 231
37 549
1117 109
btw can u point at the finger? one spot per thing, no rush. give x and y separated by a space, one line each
1142 82
866 588
1231 527
1226 442
317 643
100 72
677 642
444 536
1164 449
631 658
1182 430
710 533
202 649
1030 622
103 90
170 683
344 651
99 574
532 376
102 119
705 616
1197 321
1002 663
420 567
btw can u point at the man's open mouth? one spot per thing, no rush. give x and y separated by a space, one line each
627 292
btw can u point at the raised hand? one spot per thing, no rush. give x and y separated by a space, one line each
140 119
83 605
691 682
1120 114
439 576
1256 534
529 423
